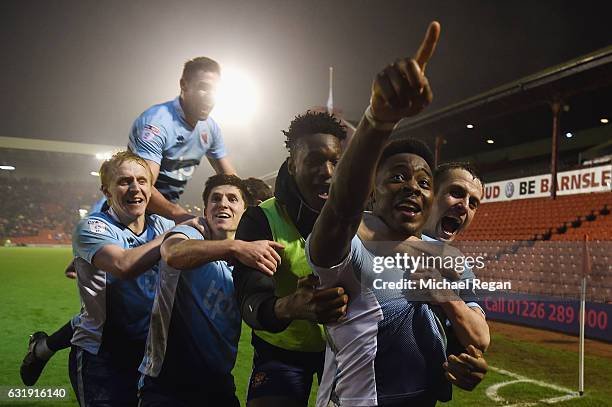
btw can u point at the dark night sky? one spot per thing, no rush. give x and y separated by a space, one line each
83 70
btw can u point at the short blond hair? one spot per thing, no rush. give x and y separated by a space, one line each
107 170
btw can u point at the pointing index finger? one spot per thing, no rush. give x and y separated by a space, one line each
428 45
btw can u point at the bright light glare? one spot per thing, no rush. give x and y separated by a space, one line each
7 167
489 141
604 120
94 173
470 126
569 135
104 156
237 98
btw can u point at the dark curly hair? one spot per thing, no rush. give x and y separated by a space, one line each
408 145
310 123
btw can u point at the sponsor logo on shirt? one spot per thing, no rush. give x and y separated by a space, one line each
97 227
149 132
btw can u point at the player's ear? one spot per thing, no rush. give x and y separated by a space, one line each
106 192
291 166
183 84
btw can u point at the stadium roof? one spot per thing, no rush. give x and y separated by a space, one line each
56 146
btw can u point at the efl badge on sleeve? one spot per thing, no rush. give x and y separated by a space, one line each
97 227
149 132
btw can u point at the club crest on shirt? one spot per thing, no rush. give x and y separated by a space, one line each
98 227
149 132
258 379
204 137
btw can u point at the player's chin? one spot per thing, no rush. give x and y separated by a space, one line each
409 227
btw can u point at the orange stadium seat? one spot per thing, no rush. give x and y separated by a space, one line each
511 235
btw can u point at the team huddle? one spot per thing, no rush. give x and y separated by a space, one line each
164 293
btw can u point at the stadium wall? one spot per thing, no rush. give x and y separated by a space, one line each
561 315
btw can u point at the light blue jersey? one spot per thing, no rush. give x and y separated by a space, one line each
112 310
195 326
387 349
161 134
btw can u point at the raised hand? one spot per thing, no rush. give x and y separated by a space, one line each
402 89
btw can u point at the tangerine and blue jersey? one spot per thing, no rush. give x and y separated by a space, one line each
113 311
195 326
161 134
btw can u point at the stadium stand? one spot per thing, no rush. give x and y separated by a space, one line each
568 217
37 212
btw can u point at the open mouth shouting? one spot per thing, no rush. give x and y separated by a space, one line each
322 191
449 226
409 208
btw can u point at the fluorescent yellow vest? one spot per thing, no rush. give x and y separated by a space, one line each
300 335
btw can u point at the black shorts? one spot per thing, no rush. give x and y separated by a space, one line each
153 394
282 373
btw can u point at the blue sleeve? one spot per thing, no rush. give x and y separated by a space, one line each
189 231
162 225
217 146
91 235
147 138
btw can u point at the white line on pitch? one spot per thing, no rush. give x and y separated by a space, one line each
491 391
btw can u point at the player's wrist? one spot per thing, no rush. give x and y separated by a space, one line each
376 123
235 248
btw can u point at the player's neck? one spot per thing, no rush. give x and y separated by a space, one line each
190 119
224 235
136 225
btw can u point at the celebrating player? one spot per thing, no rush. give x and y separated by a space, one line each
458 192
258 190
389 349
172 137
284 310
117 251
195 324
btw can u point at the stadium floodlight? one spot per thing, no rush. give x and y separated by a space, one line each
490 141
7 168
603 120
95 173
470 126
569 135
237 98
104 156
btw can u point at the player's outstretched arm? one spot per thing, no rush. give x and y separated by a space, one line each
400 90
469 324
128 263
182 253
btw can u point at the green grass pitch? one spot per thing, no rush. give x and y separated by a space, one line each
34 295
